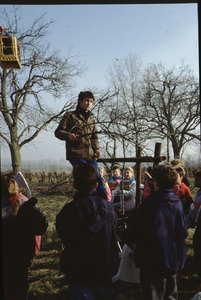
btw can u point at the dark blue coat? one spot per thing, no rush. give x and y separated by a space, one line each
197 246
87 228
159 230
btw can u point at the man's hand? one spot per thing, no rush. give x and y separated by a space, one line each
72 137
98 154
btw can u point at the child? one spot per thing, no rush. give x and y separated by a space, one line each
192 216
182 191
23 198
197 245
148 183
129 174
108 190
128 190
197 233
21 221
87 228
116 172
159 230
113 183
178 163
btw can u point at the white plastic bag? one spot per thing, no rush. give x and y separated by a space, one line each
128 271
197 296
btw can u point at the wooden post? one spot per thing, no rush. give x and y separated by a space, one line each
138 177
123 209
157 152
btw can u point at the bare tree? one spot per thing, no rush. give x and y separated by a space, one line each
149 104
45 74
120 115
171 99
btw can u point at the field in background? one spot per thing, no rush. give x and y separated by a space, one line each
39 165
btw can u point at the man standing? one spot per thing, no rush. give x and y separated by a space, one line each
79 131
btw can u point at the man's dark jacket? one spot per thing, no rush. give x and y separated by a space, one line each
159 230
83 125
87 228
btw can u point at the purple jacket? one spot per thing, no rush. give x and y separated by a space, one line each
159 230
87 228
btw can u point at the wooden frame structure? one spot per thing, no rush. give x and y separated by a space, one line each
155 160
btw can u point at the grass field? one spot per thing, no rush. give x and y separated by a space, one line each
46 281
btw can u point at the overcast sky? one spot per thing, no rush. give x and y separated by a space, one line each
103 33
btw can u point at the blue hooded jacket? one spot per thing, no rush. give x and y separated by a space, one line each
159 230
87 228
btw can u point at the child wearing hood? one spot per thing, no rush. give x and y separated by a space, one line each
21 222
159 230
87 229
195 207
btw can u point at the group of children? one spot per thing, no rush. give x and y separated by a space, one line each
181 189
157 232
190 217
87 227
119 186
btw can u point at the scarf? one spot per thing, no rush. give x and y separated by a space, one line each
85 114
10 201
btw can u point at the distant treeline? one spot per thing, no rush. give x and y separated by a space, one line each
41 165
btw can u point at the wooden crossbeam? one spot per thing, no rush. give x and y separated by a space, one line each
141 159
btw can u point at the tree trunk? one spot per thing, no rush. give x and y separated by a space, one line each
136 144
168 149
176 151
175 146
114 149
15 157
